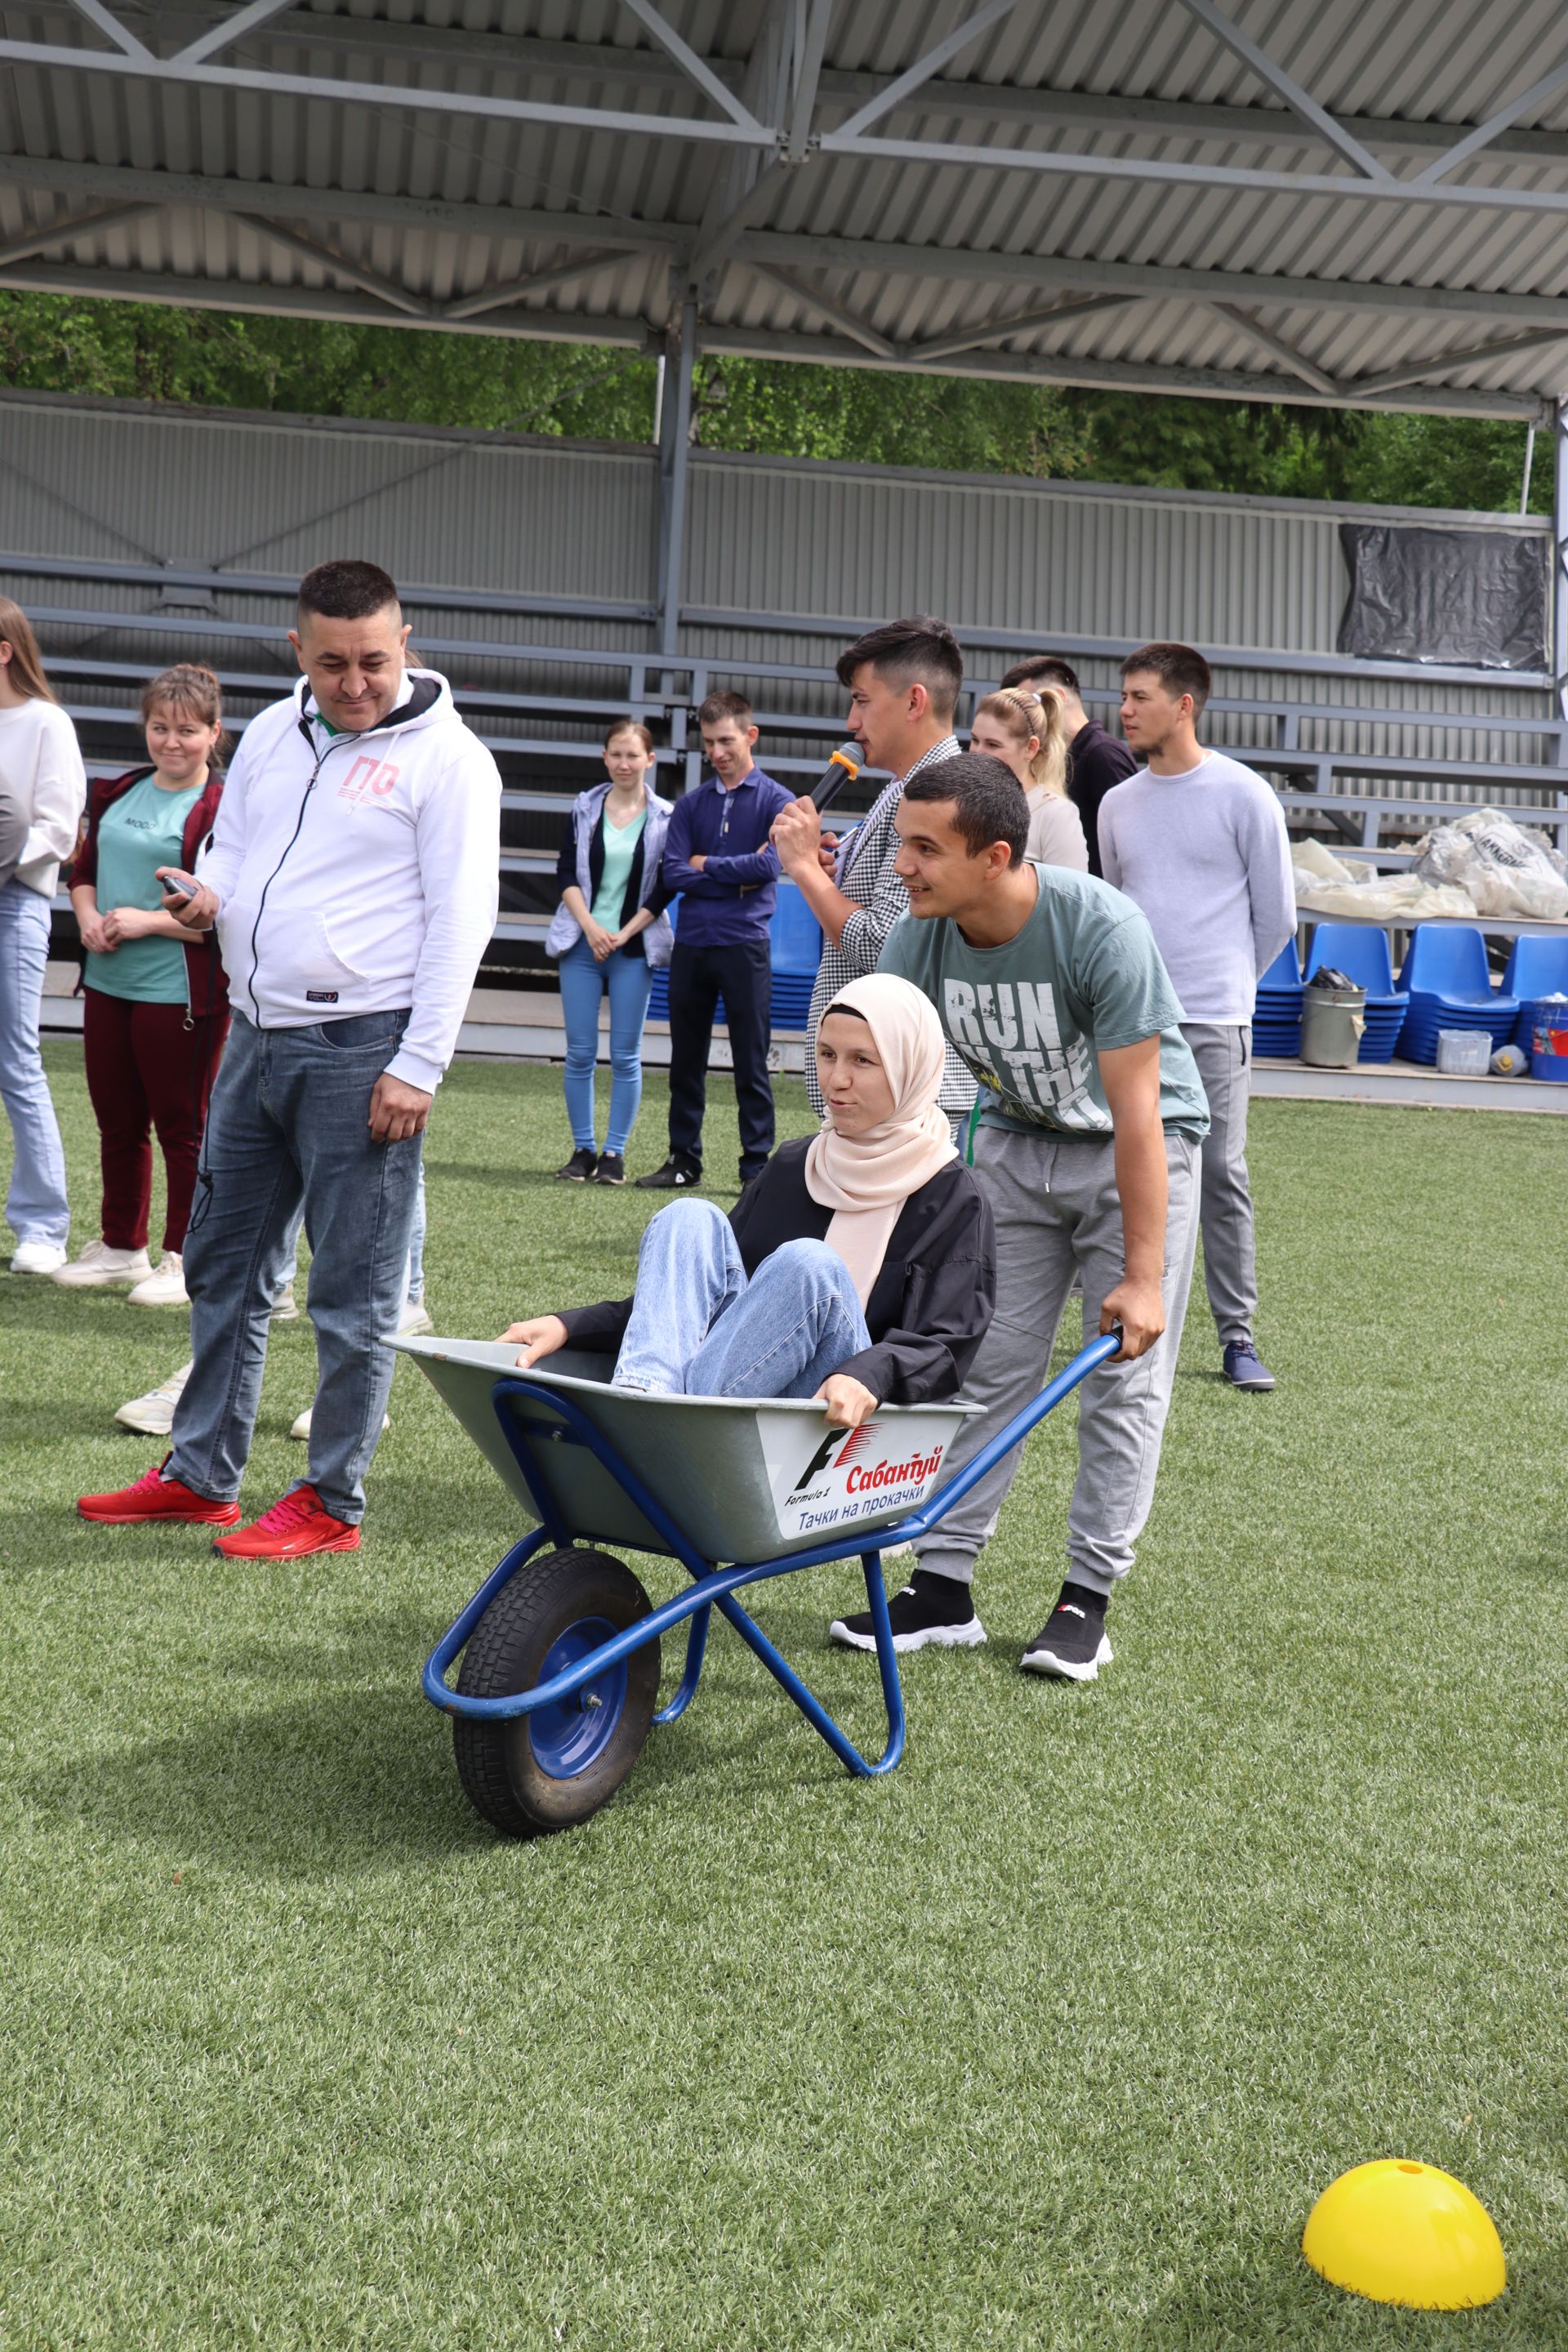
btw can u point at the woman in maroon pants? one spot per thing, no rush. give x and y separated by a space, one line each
156 1011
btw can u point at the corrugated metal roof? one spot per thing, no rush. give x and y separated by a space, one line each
259 186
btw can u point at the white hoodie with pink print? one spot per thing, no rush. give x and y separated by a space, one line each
359 873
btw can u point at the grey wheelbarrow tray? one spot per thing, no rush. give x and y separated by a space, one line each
738 1490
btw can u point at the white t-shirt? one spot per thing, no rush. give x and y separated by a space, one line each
41 764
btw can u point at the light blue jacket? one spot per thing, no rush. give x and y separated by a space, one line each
587 810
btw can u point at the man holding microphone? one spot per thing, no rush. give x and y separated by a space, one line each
353 876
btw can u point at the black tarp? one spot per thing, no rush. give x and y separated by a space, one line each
1475 598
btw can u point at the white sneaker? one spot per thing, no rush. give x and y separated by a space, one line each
37 1257
301 1427
165 1288
153 1415
413 1319
286 1307
101 1268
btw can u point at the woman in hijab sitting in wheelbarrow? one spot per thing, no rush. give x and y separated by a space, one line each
859 1267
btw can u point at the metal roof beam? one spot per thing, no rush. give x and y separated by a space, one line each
206 192
61 232
1023 322
419 47
1279 349
1484 133
124 40
1037 271
812 43
418 98
741 185
696 69
1121 375
1275 78
924 68
368 281
1014 367
498 298
834 312
1055 163
1364 388
230 29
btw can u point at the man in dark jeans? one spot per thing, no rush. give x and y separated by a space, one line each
718 857
1096 760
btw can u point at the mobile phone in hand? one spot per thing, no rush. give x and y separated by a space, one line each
179 886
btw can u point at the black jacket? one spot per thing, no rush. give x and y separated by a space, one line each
929 1305
1096 762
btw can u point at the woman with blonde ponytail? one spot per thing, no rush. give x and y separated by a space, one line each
1026 732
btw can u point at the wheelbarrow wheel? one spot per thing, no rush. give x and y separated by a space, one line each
548 1769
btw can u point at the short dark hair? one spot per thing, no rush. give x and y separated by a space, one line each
1179 669
347 590
1043 669
987 798
921 651
724 703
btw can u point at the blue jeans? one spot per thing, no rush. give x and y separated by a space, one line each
413 1281
699 1329
289 1128
582 983
35 1206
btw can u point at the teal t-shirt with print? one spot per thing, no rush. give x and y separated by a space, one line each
1032 1017
144 829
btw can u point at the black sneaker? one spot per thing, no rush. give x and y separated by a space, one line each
1072 1643
678 1175
934 1611
580 1167
611 1170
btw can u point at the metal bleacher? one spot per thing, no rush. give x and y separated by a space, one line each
542 708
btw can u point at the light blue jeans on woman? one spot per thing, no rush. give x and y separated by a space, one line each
699 1329
582 984
36 1207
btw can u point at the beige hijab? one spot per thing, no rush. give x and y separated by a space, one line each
866 1179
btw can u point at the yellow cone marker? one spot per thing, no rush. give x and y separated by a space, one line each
1403 2232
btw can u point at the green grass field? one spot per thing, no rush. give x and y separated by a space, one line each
1050 2039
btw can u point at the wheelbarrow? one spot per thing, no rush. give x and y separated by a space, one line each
559 1685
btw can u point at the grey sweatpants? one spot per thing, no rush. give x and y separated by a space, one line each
1223 1056
1058 1212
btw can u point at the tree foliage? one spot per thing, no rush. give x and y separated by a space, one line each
207 359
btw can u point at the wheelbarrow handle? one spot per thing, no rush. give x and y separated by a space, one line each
1087 1359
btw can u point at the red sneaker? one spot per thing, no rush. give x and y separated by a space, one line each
295 1525
157 1497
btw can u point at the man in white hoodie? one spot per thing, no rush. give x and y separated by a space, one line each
353 876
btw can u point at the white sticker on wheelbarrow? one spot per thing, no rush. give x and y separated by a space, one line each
823 1479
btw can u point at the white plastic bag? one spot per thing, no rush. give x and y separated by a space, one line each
1503 869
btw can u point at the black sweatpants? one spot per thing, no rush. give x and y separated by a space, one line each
698 976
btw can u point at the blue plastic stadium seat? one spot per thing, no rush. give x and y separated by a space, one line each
795 949
1446 973
1537 967
1284 973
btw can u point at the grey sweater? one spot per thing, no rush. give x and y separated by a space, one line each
1207 856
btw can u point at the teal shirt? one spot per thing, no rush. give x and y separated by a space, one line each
1032 1017
144 829
620 849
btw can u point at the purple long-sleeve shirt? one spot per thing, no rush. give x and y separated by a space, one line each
733 896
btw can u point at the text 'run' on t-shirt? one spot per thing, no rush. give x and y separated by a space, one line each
1032 1017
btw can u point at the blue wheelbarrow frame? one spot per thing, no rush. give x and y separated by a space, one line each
712 1586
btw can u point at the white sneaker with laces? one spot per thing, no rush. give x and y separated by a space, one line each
153 1415
166 1288
301 1425
413 1319
101 1268
37 1257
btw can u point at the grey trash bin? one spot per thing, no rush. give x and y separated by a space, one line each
1333 1014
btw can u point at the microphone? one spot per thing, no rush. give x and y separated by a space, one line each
841 769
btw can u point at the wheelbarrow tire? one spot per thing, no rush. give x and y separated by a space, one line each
548 1770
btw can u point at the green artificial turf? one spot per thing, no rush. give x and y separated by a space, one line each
1049 2039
